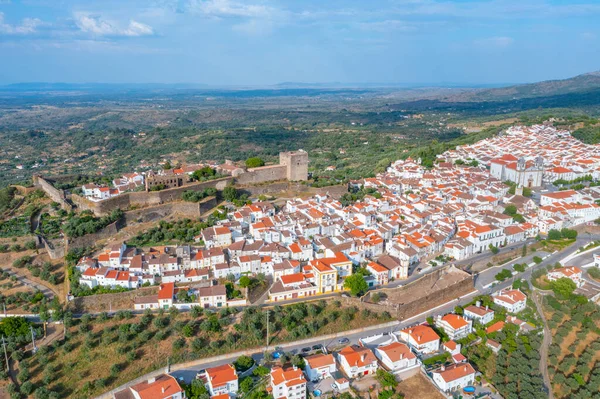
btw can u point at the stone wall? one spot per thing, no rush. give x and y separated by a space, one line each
24 190
419 302
89 240
293 187
145 199
158 212
52 192
263 174
56 250
107 302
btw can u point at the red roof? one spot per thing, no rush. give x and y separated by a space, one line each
166 291
165 386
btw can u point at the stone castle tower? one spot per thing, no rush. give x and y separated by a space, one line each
296 163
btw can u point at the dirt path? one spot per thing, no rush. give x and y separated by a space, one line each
546 342
48 293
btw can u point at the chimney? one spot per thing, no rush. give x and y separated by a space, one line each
163 389
363 357
401 356
151 380
418 338
443 368
486 307
478 303
295 367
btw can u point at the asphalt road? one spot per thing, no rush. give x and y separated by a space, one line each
481 280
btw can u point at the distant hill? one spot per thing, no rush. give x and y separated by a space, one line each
578 84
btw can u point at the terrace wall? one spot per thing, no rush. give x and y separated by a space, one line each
420 302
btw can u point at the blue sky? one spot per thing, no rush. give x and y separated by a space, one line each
258 42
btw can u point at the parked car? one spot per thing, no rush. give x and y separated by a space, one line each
317 347
305 350
343 341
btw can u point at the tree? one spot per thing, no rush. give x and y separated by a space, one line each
245 282
203 173
554 235
386 379
230 193
537 260
568 233
510 210
196 390
563 287
243 363
494 249
246 384
503 275
261 371
520 267
254 162
356 284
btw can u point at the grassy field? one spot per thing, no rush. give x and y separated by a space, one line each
418 387
100 354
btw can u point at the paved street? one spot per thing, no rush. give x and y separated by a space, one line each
481 280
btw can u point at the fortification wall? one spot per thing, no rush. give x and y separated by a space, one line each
55 249
185 209
24 190
145 199
52 192
89 240
263 174
286 186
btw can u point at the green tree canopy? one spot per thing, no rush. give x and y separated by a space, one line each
254 162
563 287
356 284
230 193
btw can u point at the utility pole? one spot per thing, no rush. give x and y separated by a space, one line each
267 331
5 355
33 340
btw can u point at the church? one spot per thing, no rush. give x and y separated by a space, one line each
524 173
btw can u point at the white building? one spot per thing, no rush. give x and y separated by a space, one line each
221 380
288 383
571 272
478 313
319 366
421 338
455 326
212 297
396 357
357 361
454 377
512 300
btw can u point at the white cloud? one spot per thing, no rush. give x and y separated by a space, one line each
229 8
588 36
99 27
387 26
496 42
27 26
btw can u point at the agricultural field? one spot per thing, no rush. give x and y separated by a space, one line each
574 355
514 371
98 353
